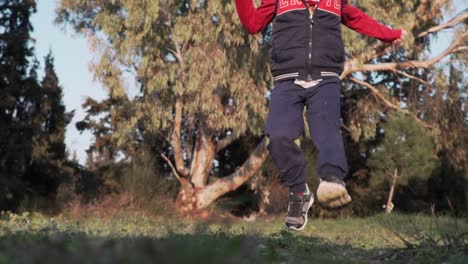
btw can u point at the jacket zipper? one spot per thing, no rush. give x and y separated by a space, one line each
311 18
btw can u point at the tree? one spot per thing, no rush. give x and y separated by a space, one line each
49 120
32 115
200 80
448 186
382 79
406 153
100 120
388 78
18 86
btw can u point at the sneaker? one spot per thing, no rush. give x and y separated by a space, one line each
299 205
332 192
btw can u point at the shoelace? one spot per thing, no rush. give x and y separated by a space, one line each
295 208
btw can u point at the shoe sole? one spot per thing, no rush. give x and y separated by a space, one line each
332 195
306 217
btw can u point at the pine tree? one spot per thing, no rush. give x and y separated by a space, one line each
32 115
57 119
104 145
406 153
18 87
48 122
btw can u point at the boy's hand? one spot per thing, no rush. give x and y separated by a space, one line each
402 37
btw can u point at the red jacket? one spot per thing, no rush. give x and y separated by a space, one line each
299 33
256 19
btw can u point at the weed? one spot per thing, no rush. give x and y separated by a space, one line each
435 238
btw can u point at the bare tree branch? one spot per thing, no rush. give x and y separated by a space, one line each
423 15
411 64
451 23
226 141
411 77
379 95
460 48
377 50
422 8
176 174
214 190
346 128
177 53
381 48
192 5
178 154
388 103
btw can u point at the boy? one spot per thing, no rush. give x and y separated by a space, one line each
307 58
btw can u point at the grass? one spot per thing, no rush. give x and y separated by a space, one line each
138 239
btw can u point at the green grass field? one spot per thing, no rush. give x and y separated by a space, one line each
137 239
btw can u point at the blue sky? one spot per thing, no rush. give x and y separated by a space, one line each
72 57
71 63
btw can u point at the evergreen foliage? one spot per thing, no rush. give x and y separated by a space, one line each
47 167
32 114
405 147
434 97
18 90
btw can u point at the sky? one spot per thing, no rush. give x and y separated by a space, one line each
72 57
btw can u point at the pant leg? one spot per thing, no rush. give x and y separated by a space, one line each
323 116
284 124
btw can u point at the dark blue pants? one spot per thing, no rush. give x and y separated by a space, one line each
285 123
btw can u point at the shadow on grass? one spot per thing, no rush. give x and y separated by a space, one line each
35 239
215 247
201 247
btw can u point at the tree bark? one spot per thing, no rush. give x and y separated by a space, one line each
191 198
389 207
204 153
218 188
186 200
176 144
225 142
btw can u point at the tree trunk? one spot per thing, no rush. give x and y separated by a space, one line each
186 201
265 200
202 162
389 207
191 198
175 141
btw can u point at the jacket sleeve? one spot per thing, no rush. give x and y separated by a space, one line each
357 20
255 19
